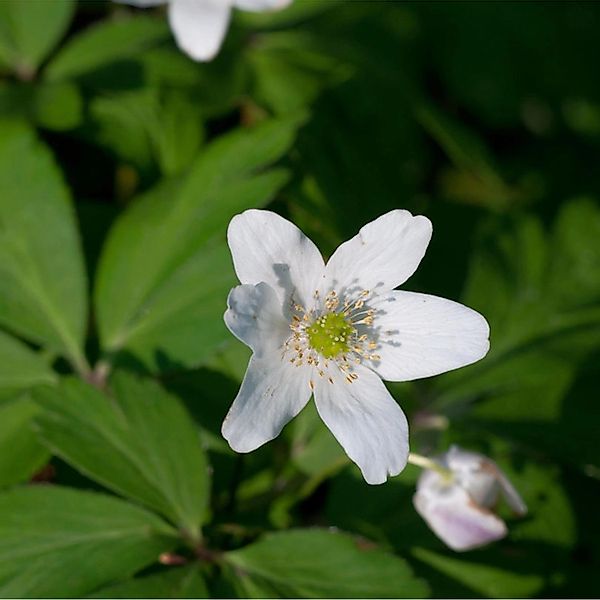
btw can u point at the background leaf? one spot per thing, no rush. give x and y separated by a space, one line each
476 178
145 128
141 444
321 564
106 43
185 582
30 30
21 454
60 542
488 580
540 294
42 281
171 285
20 367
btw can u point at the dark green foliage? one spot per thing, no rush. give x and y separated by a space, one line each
121 164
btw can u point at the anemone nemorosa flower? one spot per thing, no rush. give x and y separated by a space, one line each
457 501
336 330
199 26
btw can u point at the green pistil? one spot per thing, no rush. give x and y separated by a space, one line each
330 335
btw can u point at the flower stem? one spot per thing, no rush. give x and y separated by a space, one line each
428 463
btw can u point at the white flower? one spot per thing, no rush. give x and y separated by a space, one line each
199 26
336 330
457 506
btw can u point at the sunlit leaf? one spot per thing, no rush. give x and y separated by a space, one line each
20 367
42 279
58 542
105 43
476 178
541 295
52 106
29 31
290 71
142 444
144 128
321 564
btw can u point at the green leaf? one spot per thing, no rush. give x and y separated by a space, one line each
538 290
551 520
58 542
185 582
142 444
541 295
475 179
314 450
57 106
290 70
21 455
383 513
315 563
52 106
105 43
488 580
165 270
30 30
20 367
42 279
574 256
146 127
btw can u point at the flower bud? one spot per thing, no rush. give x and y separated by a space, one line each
457 501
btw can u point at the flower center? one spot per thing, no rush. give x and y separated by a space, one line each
330 334
327 335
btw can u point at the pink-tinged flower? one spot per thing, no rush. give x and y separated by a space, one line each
457 501
199 26
336 330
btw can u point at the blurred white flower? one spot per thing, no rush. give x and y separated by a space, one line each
337 330
199 26
457 500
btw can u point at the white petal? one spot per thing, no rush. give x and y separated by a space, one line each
511 495
255 317
460 460
482 478
272 393
455 518
267 247
475 473
262 5
199 26
420 335
366 421
384 254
